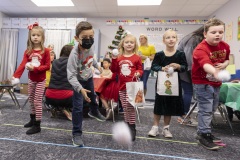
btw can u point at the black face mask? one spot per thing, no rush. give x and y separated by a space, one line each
87 43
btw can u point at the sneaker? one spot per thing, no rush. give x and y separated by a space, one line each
166 133
206 141
98 116
77 141
153 132
215 139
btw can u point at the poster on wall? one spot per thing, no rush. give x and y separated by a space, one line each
6 23
238 28
24 22
229 32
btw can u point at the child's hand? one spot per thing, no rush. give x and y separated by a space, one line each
174 65
30 67
137 74
84 93
220 66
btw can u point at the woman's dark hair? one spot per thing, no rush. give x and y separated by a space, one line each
199 31
66 50
107 59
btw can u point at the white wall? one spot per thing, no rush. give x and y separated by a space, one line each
1 18
229 13
108 32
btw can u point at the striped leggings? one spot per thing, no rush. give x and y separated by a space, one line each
129 111
35 92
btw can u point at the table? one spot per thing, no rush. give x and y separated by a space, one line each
230 95
9 89
99 84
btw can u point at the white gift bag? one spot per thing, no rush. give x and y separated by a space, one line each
167 84
135 93
147 64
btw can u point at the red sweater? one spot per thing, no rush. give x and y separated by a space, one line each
204 53
126 67
39 73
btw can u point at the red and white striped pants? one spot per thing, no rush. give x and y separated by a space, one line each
129 111
35 92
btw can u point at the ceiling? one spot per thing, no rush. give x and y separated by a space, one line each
109 8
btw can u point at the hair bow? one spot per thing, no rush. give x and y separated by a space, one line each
30 27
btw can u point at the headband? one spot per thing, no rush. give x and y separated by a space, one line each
30 27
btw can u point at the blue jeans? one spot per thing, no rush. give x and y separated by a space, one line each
208 100
77 112
187 95
145 76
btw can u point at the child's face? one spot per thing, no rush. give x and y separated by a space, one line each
170 39
129 44
106 65
52 57
85 34
36 36
214 35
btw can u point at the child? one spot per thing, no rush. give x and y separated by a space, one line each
128 66
209 57
80 74
37 60
111 88
168 105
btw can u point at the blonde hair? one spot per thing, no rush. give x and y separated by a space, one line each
169 30
30 43
143 35
121 49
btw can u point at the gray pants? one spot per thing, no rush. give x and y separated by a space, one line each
208 100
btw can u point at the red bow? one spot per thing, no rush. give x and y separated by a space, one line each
30 27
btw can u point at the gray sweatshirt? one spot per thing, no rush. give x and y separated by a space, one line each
79 67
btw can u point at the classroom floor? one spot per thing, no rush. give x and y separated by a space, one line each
54 141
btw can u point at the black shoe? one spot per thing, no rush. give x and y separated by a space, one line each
35 128
206 141
30 123
98 116
215 139
133 131
77 141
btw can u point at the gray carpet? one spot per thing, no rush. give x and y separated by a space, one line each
54 141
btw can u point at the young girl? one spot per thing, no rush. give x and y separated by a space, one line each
111 88
168 105
36 60
128 66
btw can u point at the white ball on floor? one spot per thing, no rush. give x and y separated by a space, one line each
170 70
122 134
15 81
224 75
115 52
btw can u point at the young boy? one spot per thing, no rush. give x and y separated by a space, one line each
209 57
80 77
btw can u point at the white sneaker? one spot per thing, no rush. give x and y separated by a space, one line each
153 132
166 133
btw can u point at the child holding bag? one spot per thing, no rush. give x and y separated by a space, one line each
168 105
128 66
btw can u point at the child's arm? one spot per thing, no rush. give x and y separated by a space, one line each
208 68
222 65
18 73
95 65
156 66
139 70
46 65
114 66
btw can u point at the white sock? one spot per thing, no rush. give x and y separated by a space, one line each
166 127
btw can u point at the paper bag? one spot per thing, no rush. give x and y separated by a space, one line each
167 84
147 64
135 93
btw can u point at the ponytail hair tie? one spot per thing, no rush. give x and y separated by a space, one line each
30 27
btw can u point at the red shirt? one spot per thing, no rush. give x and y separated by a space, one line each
126 67
205 53
39 73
